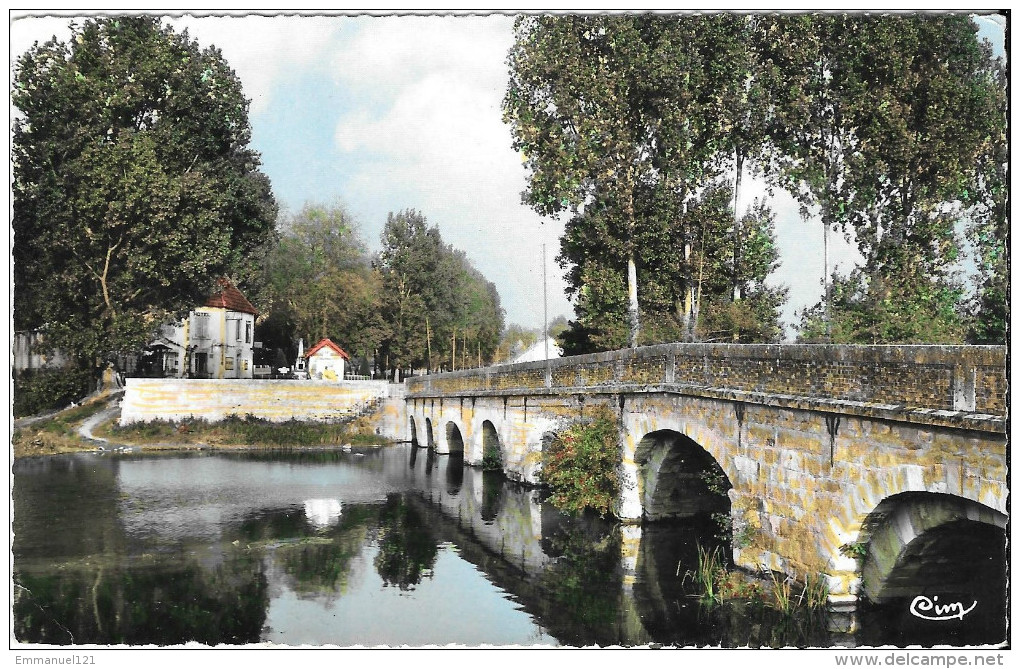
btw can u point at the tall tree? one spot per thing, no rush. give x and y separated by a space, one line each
989 231
880 122
806 60
745 118
134 185
605 108
574 107
708 223
440 310
319 283
936 110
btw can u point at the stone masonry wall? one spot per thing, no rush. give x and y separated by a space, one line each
812 438
276 400
934 378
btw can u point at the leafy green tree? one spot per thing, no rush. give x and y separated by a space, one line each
988 233
745 117
709 224
805 60
134 186
438 308
605 110
881 122
319 282
573 105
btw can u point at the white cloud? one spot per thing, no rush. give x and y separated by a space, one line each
432 131
264 50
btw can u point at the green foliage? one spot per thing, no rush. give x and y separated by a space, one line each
579 465
318 282
435 303
620 120
248 430
708 574
888 310
891 128
492 460
134 187
856 550
38 391
883 124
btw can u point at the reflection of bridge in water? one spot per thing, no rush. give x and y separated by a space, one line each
842 461
585 580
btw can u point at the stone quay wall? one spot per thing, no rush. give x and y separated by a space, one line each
276 400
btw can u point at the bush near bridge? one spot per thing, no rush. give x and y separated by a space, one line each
579 465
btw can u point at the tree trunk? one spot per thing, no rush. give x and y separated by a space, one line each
632 308
428 341
737 231
828 286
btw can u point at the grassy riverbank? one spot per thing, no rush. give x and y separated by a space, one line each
59 433
235 432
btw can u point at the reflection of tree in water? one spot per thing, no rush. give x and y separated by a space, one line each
407 548
148 604
322 566
585 579
316 560
493 483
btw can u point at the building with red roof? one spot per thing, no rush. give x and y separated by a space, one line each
216 341
326 360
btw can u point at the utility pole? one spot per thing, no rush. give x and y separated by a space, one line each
545 308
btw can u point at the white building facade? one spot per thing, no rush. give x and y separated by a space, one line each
216 341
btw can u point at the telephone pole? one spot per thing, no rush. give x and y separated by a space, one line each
545 307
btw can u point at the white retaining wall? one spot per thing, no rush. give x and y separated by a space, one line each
275 400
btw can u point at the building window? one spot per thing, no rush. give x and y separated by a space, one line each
247 332
201 326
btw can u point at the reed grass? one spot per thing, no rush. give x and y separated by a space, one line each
247 430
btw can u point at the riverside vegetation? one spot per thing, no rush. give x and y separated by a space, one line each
579 467
59 433
579 464
240 431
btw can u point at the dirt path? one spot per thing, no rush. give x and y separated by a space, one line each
85 429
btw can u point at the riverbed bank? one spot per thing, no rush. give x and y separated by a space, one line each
92 426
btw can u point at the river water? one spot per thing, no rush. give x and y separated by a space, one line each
384 547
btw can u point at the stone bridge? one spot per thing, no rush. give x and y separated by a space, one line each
839 461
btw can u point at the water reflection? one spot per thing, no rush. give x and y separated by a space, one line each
384 547
323 512
407 549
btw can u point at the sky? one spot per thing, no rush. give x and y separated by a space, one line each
385 113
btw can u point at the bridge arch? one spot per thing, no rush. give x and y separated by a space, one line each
678 478
492 447
915 543
430 437
454 438
414 432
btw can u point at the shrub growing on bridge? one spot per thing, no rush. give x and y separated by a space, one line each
579 465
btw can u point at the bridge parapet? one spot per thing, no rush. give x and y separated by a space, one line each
942 383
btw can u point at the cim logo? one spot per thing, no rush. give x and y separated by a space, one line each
931 609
